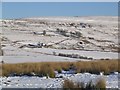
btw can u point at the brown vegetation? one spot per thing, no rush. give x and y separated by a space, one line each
70 85
48 68
101 83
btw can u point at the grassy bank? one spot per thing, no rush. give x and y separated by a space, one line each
48 68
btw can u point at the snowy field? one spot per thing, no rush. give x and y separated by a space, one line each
91 37
43 82
46 55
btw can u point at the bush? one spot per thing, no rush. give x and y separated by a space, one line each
70 85
101 84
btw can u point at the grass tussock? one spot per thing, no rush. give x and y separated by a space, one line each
70 85
101 83
48 68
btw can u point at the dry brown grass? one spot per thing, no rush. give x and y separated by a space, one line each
48 68
70 85
101 84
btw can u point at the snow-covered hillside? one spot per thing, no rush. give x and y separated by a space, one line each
42 37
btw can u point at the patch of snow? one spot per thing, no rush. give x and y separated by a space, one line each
42 82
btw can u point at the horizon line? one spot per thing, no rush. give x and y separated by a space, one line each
61 16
